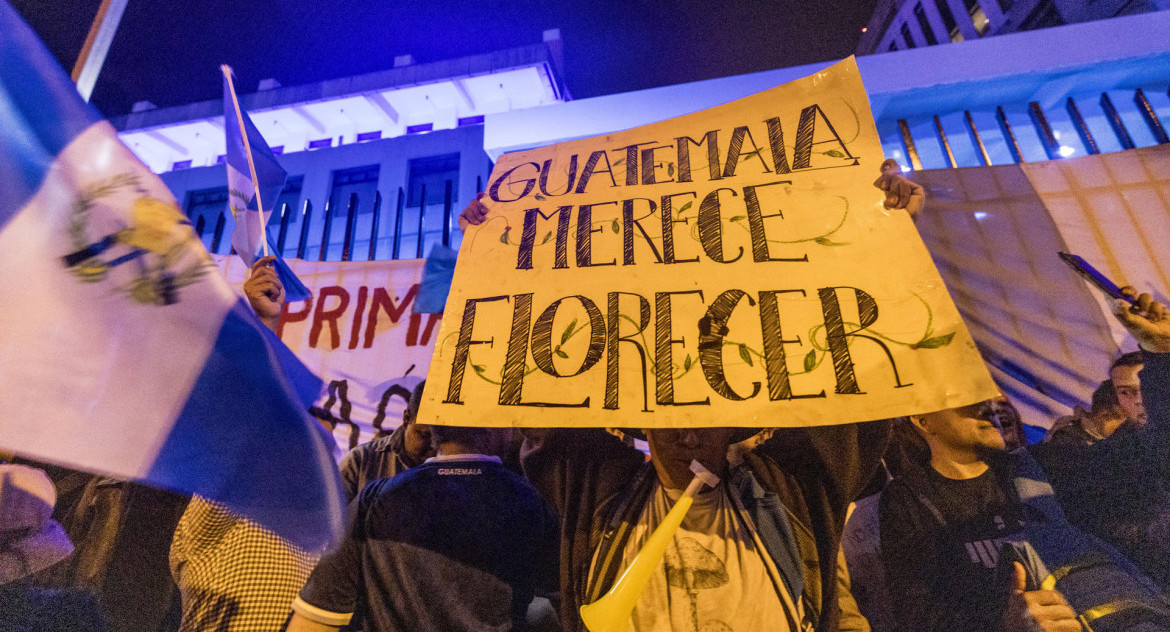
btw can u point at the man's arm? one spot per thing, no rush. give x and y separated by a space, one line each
265 292
330 595
569 466
908 557
1149 322
1133 459
842 458
300 624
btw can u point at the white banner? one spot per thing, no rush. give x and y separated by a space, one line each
359 334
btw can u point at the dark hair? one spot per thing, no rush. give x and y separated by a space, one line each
411 411
907 447
1105 398
1133 358
477 438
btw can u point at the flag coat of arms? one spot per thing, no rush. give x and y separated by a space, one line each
122 350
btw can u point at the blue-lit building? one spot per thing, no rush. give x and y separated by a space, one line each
385 138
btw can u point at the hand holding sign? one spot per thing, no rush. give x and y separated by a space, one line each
728 267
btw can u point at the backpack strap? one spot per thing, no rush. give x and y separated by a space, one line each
626 510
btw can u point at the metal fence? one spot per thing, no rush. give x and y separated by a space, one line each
398 232
1012 145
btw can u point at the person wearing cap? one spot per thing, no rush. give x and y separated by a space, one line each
30 541
758 551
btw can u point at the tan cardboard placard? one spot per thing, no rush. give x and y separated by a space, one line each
731 267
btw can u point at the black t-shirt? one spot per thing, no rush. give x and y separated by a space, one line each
940 546
449 545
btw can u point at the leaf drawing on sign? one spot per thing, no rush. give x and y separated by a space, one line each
539 197
476 232
675 371
568 333
822 239
683 208
692 567
743 353
547 236
934 342
928 340
615 227
810 361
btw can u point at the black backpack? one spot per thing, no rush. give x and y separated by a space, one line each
1108 593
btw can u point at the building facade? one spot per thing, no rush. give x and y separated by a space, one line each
392 141
905 24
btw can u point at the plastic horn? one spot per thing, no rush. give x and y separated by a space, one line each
612 612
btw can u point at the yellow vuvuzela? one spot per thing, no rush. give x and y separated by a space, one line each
611 613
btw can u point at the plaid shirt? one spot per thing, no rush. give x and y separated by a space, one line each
233 574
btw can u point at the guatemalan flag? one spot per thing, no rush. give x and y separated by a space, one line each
122 349
251 219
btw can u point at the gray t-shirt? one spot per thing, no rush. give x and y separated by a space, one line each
713 577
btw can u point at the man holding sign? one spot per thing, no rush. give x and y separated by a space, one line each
732 268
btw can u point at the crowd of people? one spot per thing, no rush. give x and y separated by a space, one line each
937 522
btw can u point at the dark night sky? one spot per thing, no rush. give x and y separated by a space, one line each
168 52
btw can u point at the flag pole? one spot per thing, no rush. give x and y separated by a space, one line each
227 73
97 45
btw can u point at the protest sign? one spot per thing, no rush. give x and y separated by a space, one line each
359 334
730 267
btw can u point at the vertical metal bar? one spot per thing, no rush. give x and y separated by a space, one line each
374 227
943 144
199 225
398 222
285 212
306 218
984 157
1115 122
1082 129
1008 136
1044 130
218 234
447 215
327 229
422 211
908 144
1151 117
350 216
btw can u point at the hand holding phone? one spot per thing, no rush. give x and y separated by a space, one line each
1095 278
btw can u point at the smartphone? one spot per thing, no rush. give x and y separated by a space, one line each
1090 274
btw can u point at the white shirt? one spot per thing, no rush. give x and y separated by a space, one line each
713 577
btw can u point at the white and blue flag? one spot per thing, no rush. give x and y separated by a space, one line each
122 350
251 212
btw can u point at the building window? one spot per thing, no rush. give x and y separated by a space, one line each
360 180
1043 16
978 17
207 204
906 37
948 18
433 173
290 195
924 23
